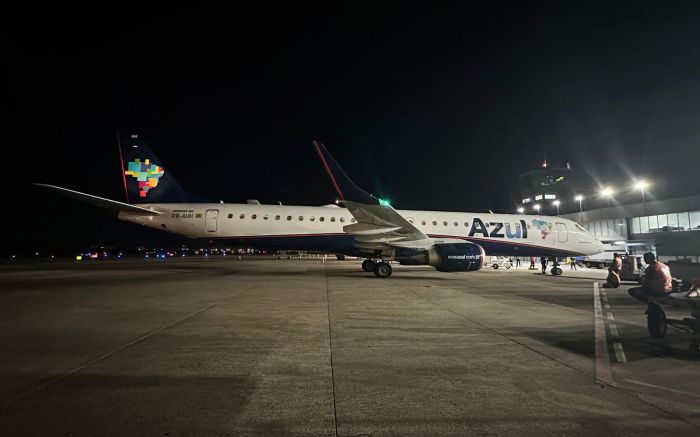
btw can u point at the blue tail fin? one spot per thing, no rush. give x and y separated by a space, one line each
346 189
146 178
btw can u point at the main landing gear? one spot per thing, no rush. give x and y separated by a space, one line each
556 271
381 269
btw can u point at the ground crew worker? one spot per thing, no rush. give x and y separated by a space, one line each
573 264
543 263
617 263
532 263
657 280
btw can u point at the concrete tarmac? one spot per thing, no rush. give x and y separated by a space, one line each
266 347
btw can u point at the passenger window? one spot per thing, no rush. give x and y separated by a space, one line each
230 216
466 224
422 222
456 224
254 216
277 217
301 218
352 220
434 223
444 223
332 219
342 219
242 216
265 217
321 219
289 217
312 218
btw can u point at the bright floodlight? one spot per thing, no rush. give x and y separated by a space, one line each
537 207
607 192
556 203
521 210
578 198
641 185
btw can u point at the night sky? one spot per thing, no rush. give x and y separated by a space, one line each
434 108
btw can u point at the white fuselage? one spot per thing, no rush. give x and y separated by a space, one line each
321 228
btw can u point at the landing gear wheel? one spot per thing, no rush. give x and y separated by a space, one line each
495 266
382 270
368 265
656 321
556 271
507 266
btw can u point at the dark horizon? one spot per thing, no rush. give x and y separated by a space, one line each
434 108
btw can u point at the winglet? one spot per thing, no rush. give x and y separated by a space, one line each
345 188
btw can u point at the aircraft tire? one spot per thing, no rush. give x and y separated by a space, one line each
382 269
368 265
495 266
558 271
656 321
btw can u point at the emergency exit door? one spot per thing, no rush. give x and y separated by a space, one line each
211 220
562 232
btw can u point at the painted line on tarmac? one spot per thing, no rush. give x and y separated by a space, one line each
603 372
620 355
662 388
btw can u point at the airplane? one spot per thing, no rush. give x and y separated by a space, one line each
366 226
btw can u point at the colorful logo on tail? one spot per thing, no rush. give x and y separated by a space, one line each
145 173
544 227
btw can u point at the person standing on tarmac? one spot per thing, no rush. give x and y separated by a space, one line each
543 263
532 263
573 264
517 262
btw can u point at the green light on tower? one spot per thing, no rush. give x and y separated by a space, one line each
384 202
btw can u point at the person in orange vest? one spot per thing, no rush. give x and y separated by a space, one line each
657 280
617 263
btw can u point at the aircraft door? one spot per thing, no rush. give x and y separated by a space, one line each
211 220
562 232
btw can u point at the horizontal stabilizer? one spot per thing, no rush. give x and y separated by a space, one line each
100 201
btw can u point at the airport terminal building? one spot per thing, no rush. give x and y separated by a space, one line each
669 227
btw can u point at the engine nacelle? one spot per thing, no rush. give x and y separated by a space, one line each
456 257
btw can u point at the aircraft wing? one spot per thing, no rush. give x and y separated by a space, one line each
100 201
378 224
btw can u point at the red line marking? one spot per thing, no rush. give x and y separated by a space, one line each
121 159
328 169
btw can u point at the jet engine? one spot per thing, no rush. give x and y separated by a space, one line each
456 257
448 257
